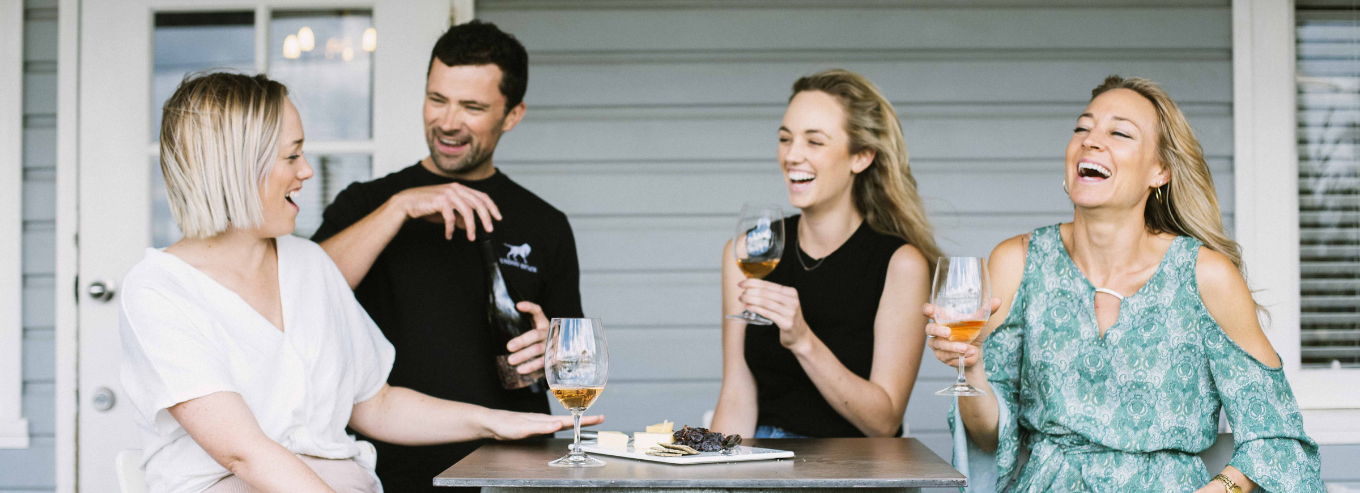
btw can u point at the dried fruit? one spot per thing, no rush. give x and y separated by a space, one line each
703 440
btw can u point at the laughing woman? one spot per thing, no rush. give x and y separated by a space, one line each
1120 335
245 353
844 355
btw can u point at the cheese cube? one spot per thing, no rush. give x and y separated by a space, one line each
664 427
643 441
613 440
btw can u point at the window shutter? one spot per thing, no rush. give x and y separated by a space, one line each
1328 70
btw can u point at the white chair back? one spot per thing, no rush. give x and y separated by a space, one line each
130 476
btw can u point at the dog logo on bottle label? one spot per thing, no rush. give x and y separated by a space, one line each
519 257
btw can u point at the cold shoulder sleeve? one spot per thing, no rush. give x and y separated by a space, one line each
1003 358
1270 446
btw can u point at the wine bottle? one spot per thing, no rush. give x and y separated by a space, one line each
505 319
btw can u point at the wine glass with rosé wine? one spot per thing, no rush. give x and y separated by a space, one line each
576 363
758 244
961 295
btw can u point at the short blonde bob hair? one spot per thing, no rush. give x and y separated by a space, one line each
219 140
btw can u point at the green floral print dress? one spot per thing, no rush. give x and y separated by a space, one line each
1127 412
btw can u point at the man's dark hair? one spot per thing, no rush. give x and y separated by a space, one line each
482 43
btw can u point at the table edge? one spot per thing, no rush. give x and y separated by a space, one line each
692 483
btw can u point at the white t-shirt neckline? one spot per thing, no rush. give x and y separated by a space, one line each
282 279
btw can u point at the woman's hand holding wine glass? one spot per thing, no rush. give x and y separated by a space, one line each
948 351
960 304
758 244
778 304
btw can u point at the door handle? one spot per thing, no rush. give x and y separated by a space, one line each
101 291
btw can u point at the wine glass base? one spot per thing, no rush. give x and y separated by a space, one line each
751 319
962 389
573 460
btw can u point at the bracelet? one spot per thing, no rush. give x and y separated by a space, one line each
1228 483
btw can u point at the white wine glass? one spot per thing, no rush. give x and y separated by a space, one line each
758 244
962 297
576 363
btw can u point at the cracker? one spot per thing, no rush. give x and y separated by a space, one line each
687 450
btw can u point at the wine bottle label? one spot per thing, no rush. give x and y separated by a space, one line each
513 379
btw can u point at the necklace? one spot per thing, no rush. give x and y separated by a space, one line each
804 264
799 252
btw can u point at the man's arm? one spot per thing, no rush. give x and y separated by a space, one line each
356 247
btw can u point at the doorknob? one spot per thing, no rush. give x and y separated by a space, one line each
101 291
103 399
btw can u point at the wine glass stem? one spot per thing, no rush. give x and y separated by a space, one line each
576 416
962 380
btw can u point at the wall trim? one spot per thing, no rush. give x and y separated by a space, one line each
1266 164
1267 206
67 258
13 427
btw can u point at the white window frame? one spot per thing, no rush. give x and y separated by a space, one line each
1266 170
13 426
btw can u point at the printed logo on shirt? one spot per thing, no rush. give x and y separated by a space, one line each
519 257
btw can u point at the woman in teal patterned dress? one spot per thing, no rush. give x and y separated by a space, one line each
1117 337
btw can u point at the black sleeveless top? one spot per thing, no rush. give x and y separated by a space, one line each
839 298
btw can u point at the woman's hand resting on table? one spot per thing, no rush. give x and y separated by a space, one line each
509 425
948 351
780 304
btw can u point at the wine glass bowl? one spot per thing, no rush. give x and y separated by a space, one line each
758 244
961 295
576 364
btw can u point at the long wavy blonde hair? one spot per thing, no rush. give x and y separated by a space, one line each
885 192
1188 204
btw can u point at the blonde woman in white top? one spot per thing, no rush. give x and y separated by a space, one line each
245 352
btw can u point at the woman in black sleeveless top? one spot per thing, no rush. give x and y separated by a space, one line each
843 354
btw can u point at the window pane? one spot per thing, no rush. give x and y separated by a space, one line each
332 174
1329 185
326 60
190 42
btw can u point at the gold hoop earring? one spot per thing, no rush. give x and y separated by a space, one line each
1158 193
1065 187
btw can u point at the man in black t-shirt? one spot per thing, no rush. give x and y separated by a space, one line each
394 239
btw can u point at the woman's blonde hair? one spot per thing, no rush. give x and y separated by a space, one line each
1187 205
885 192
219 140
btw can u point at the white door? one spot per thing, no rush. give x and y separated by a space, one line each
356 71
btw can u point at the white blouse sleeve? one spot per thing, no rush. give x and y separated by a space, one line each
371 354
168 357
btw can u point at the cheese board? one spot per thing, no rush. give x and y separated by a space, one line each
740 453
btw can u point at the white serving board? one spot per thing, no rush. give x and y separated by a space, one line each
742 454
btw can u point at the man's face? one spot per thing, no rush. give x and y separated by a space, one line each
465 117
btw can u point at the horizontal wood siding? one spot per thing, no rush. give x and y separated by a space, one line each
34 469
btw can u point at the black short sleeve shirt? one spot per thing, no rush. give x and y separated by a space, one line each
428 296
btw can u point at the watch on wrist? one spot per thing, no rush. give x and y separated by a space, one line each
1228 483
